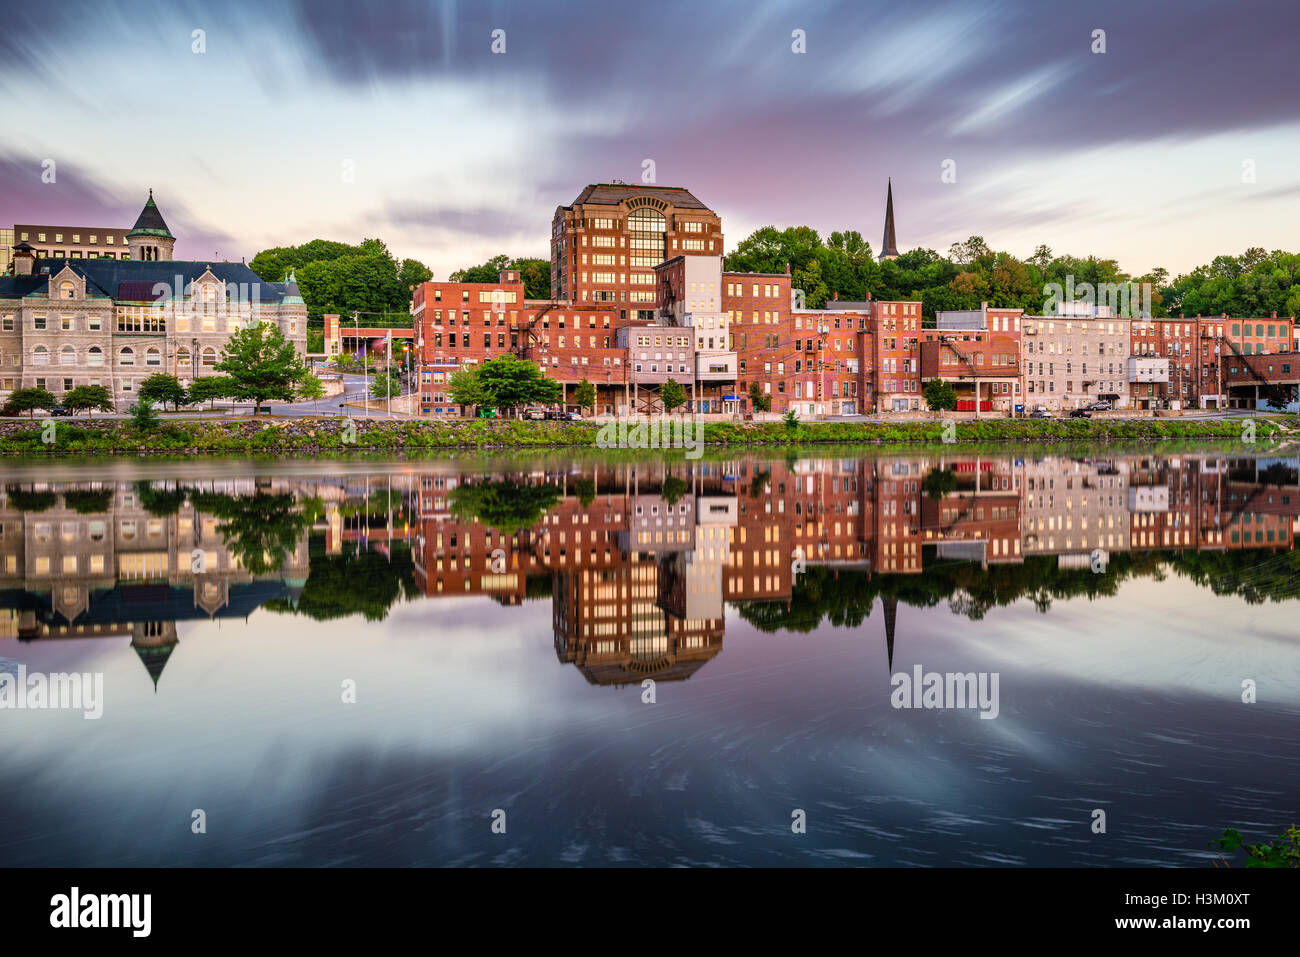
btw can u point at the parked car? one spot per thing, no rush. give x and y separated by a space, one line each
535 415
558 415
573 416
1099 406
60 410
1040 413
1080 414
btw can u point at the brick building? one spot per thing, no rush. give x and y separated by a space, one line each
606 244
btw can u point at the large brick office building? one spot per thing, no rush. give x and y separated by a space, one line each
606 244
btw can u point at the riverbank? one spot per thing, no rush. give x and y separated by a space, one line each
327 435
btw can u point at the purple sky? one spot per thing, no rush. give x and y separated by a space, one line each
395 119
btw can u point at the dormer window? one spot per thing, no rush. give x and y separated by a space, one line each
67 290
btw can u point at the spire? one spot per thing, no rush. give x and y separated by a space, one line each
150 221
888 245
891 615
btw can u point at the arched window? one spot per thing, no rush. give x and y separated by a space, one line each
183 357
40 356
153 357
209 356
94 356
126 357
67 290
67 356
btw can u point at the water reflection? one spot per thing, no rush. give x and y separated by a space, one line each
640 561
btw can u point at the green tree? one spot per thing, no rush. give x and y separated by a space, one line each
535 274
758 399
28 500
939 395
29 399
672 395
88 398
584 396
262 365
585 489
505 382
143 416
163 389
209 388
310 387
385 385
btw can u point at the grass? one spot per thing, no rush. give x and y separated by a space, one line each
326 434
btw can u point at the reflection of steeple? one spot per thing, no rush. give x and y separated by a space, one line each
891 613
154 642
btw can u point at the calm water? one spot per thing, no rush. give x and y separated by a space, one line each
501 627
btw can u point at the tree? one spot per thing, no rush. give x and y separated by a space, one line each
760 401
208 388
311 387
672 395
508 507
534 273
143 416
938 484
89 398
28 400
162 389
385 385
940 395
673 489
505 382
584 396
262 365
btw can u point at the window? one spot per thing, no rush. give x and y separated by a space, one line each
38 322
67 356
40 356
126 357
94 356
153 357
209 356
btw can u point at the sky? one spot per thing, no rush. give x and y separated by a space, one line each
283 122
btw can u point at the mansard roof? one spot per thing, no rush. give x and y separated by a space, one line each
611 194
134 280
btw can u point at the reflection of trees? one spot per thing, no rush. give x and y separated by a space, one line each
88 501
358 581
260 529
585 489
672 489
1272 576
505 506
844 598
26 500
939 483
160 501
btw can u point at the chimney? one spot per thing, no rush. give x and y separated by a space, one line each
837 296
1181 316
1274 316
787 267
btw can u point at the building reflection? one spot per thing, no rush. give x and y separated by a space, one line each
641 562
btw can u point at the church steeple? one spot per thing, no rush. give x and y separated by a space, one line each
888 245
